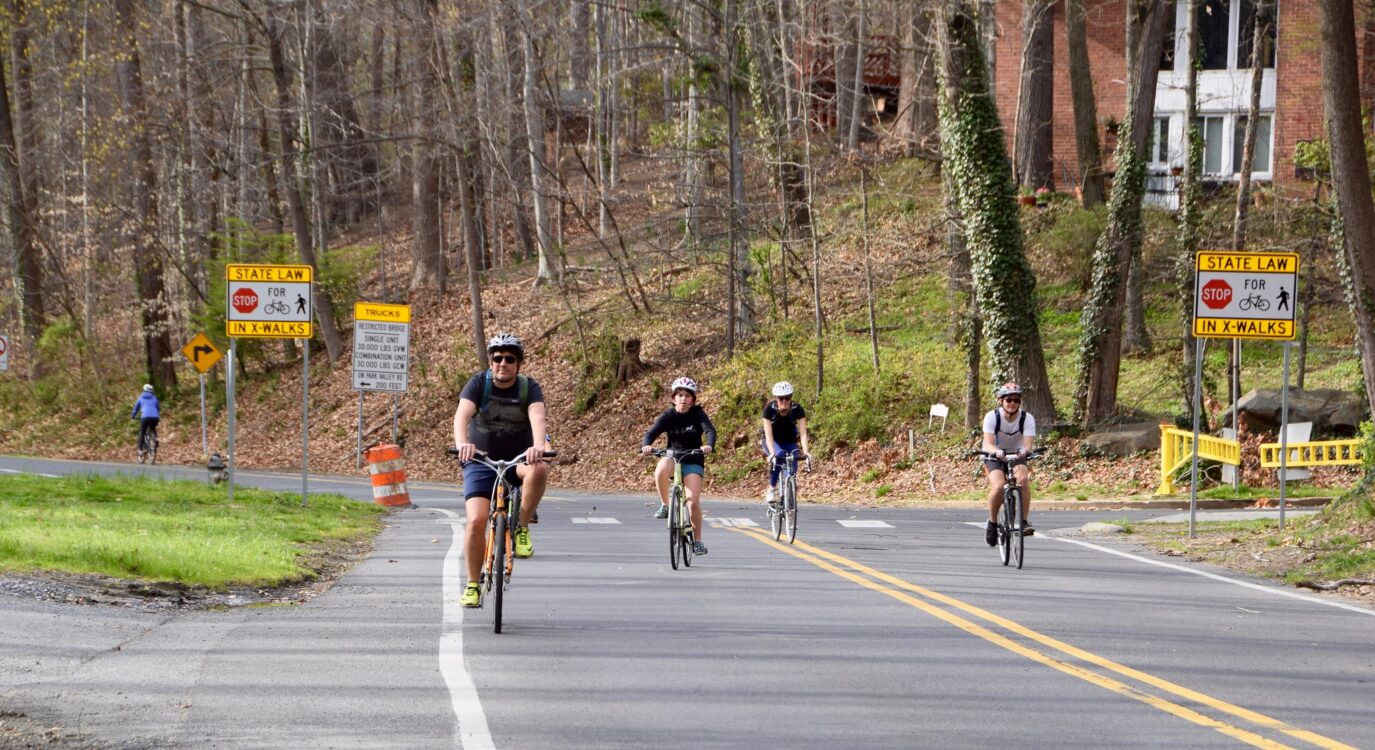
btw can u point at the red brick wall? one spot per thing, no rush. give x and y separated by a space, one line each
1298 93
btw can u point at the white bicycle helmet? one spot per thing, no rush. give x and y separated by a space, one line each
147 388
506 342
782 388
1008 389
685 384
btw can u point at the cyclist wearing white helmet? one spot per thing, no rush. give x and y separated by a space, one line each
785 422
688 428
1008 431
148 412
499 413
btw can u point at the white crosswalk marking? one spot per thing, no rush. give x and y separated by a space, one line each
855 523
720 523
595 520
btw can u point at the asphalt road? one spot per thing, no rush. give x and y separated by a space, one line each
878 629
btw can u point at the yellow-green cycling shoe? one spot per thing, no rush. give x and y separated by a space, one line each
523 546
472 596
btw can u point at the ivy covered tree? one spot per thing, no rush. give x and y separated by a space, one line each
981 176
1100 343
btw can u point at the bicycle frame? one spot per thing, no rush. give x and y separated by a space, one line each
785 515
1011 537
680 530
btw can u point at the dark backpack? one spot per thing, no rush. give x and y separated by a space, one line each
522 382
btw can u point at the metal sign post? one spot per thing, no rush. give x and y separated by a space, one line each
274 302
1198 406
1284 433
203 355
358 452
229 405
305 421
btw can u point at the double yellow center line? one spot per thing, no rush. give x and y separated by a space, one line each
927 600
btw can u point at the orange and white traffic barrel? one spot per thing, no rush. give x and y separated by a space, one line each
388 475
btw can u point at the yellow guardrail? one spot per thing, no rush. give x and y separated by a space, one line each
1176 450
1316 453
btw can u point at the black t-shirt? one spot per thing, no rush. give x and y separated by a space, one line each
784 425
685 431
501 429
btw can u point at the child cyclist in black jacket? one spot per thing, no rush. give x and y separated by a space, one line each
688 428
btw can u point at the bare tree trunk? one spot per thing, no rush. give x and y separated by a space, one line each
1350 171
860 100
1259 33
305 245
1091 183
578 56
18 213
538 153
427 249
148 271
868 266
742 269
1189 209
1032 158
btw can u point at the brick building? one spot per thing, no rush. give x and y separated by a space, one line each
1291 93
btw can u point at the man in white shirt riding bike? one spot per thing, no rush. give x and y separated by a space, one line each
1009 432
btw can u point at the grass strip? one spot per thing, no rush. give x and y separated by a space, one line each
171 530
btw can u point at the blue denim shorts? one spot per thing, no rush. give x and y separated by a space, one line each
479 479
697 469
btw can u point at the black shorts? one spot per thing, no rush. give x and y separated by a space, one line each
1012 461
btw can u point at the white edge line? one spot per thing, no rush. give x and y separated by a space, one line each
473 733
1247 584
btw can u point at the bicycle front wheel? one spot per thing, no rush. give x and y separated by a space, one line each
686 540
790 509
1018 536
498 577
776 516
675 521
1005 527
153 445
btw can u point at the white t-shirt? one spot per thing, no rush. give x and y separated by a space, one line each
1009 436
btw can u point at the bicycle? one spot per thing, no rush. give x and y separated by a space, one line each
148 446
499 562
1254 300
680 536
785 515
277 306
1011 541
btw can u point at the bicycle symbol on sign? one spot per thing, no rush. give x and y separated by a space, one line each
1255 300
277 307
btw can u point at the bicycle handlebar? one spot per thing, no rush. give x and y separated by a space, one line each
1006 456
674 453
479 455
794 454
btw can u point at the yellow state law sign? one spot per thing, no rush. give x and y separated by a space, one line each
268 301
201 352
382 312
261 272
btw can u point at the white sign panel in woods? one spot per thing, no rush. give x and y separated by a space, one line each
4 352
268 301
381 347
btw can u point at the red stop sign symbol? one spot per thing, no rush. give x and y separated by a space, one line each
246 300
1216 294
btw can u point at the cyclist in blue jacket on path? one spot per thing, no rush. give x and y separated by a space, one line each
148 411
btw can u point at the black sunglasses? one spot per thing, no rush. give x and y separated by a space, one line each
1013 400
504 358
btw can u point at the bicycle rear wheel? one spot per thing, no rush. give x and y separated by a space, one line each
1018 537
153 445
790 508
498 577
674 525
